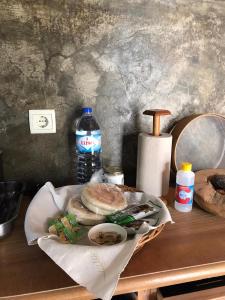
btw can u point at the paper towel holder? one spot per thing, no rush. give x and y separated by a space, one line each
156 113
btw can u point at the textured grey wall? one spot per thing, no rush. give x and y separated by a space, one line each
121 57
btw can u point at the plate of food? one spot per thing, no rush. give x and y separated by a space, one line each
104 205
98 225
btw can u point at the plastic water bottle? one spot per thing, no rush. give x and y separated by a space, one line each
88 146
184 188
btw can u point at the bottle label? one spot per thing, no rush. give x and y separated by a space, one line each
184 194
88 143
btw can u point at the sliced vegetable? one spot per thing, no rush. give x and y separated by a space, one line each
66 227
70 235
72 219
52 229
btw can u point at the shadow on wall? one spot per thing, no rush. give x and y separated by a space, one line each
129 150
129 158
1 166
72 141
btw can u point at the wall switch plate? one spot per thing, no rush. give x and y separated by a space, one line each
42 121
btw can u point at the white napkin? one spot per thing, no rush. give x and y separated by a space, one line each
97 268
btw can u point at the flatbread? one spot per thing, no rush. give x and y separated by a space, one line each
103 198
83 215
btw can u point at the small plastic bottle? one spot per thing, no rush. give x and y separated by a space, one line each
88 146
184 188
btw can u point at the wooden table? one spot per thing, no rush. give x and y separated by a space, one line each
193 248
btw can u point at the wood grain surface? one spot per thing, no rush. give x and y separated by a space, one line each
192 248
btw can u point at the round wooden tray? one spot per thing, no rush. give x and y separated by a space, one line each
148 236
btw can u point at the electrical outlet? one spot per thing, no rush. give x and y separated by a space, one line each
42 121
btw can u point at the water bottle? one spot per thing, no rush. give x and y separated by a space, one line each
184 188
88 146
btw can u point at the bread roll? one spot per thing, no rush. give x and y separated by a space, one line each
83 215
103 198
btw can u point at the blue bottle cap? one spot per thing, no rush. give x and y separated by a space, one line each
87 110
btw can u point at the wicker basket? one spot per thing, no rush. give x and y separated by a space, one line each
148 236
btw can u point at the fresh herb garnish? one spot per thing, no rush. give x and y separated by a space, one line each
68 230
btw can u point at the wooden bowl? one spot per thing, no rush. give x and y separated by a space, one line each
208 198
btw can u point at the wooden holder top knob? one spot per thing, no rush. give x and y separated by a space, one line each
156 113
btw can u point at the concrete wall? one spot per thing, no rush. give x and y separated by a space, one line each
120 56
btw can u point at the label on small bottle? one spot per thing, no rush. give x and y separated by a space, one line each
184 194
88 143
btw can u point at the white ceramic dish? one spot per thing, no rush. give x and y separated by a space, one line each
107 227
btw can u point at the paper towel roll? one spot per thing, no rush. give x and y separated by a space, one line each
153 163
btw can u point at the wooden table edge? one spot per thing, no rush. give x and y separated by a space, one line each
133 283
